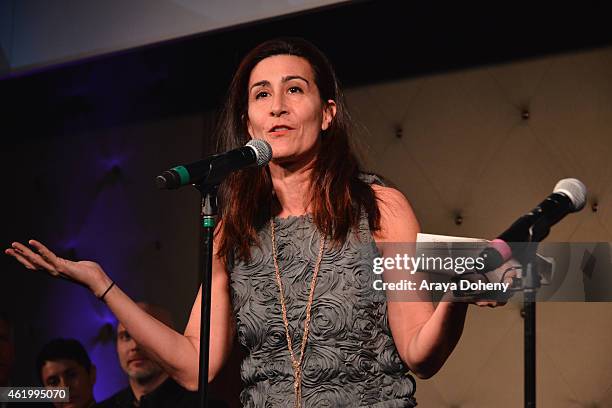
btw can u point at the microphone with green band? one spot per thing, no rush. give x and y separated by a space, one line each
213 169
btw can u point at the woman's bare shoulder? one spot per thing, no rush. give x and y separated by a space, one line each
397 219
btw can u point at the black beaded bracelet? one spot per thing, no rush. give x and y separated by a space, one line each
106 291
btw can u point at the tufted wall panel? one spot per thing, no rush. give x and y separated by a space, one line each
487 145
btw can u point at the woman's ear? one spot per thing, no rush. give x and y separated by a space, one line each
329 111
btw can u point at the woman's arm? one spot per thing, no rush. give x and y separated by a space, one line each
222 327
424 336
177 353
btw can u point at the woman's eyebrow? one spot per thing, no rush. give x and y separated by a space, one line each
260 83
291 77
284 79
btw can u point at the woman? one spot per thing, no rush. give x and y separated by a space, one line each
294 248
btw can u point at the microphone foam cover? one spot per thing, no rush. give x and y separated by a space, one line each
263 151
574 189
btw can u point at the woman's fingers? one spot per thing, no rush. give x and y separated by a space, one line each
33 258
84 273
489 303
20 258
48 255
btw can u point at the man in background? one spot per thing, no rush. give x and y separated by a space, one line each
65 363
149 384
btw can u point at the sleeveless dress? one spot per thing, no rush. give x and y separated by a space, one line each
350 358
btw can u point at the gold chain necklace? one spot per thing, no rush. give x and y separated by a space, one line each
296 363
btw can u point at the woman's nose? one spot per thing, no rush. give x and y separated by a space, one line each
278 105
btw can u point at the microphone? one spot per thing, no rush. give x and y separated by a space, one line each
569 195
213 169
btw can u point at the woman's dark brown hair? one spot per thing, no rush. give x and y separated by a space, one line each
338 195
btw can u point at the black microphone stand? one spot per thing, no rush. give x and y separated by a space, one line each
530 283
209 218
530 286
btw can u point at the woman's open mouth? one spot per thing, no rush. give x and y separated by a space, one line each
280 130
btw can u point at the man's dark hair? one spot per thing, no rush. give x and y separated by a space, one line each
62 349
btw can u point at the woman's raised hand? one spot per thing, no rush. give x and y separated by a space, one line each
86 273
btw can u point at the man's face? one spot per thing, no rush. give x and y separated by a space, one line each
7 353
69 373
134 361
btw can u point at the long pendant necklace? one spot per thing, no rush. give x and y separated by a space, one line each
295 362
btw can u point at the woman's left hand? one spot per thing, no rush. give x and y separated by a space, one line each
503 274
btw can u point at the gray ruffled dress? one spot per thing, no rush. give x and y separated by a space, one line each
350 358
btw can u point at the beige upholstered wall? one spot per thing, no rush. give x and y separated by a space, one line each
488 144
